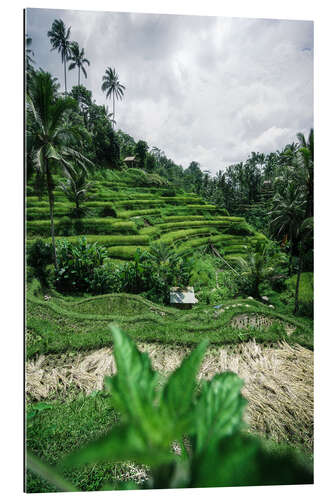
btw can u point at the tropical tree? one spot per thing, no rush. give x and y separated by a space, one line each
54 140
141 150
305 241
112 87
29 62
76 188
78 60
287 216
59 38
305 163
256 267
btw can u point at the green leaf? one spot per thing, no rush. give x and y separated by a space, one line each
219 410
178 393
123 443
241 460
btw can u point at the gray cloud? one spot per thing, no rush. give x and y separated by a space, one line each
200 88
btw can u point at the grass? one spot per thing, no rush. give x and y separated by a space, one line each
59 325
75 411
58 430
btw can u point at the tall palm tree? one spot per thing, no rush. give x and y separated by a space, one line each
53 138
287 216
78 60
29 62
112 87
59 38
305 163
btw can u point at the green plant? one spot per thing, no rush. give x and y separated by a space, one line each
77 263
207 425
39 256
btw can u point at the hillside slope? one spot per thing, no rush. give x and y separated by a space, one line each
130 209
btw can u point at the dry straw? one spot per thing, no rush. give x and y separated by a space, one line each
278 381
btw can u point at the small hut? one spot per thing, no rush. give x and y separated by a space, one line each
130 161
182 298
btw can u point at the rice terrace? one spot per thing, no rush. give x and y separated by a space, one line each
126 388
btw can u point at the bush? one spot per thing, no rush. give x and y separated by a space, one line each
106 279
39 256
76 264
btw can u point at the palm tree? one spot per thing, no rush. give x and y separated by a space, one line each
287 216
59 38
305 162
112 87
52 137
77 56
256 266
76 188
29 62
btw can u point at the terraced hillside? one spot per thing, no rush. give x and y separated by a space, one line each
131 209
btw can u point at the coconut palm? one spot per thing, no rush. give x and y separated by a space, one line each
287 216
256 267
29 62
112 87
53 138
76 189
78 60
59 38
305 163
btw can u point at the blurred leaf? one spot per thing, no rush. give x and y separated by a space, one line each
178 393
123 443
219 411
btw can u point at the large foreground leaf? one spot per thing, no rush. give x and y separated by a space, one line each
219 411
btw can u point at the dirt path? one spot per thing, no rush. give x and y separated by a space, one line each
278 382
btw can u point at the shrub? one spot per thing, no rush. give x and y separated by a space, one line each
106 279
76 264
39 256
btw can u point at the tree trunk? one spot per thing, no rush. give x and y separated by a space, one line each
297 283
65 77
51 203
114 115
79 75
290 265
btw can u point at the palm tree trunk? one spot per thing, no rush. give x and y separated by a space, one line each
79 75
290 265
65 77
51 204
114 115
297 283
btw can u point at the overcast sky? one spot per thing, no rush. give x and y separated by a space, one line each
209 89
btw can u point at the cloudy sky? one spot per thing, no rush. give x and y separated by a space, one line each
209 89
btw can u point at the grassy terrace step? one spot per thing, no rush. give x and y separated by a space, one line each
106 241
126 214
43 212
221 241
103 226
185 233
220 222
59 325
125 252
